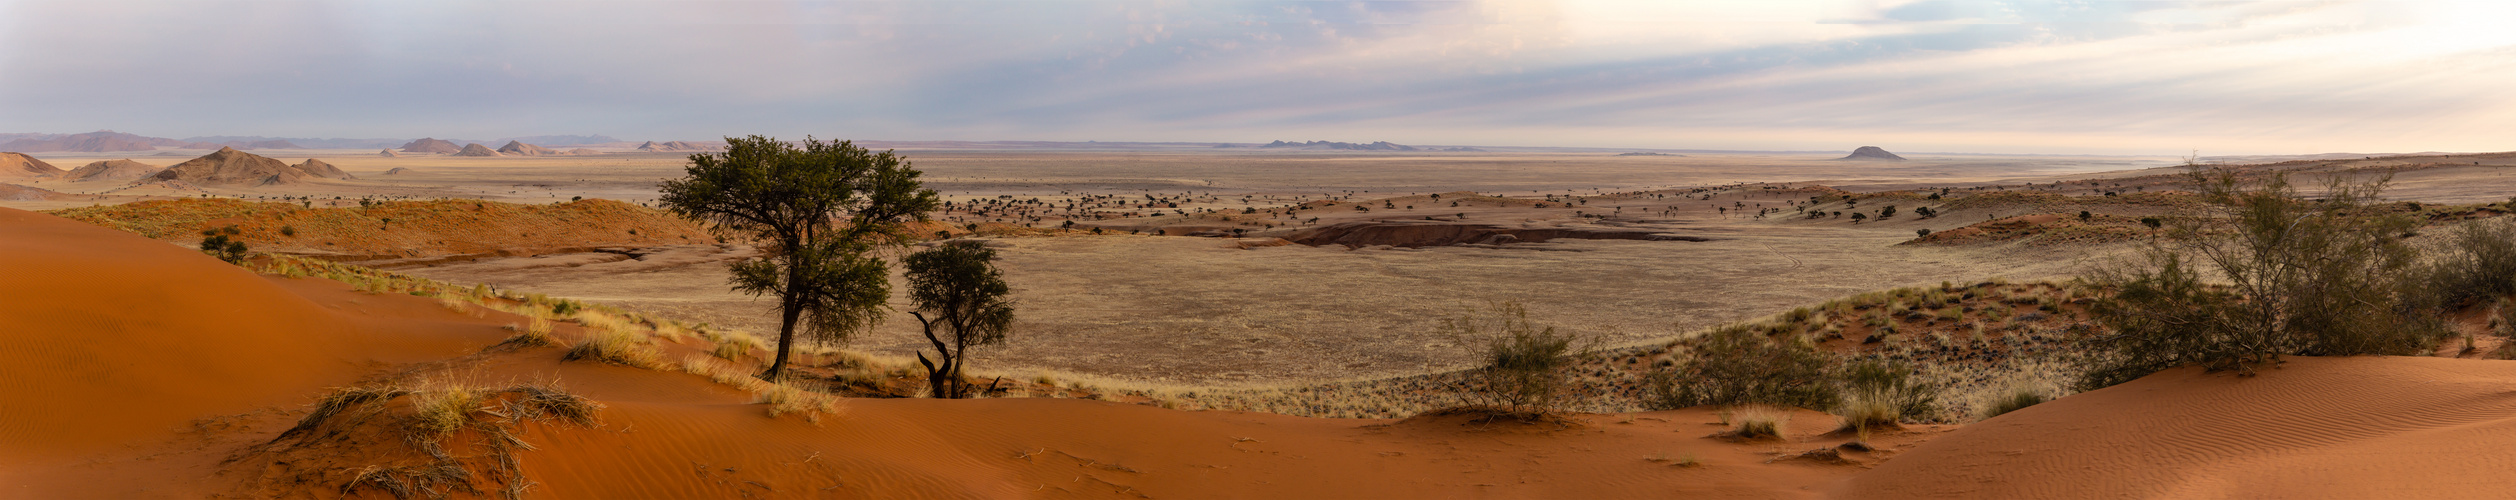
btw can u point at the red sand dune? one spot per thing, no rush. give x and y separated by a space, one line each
2359 427
155 371
142 369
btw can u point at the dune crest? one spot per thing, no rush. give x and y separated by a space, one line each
2312 428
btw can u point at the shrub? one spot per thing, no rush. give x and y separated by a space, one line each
1524 364
1735 366
2479 264
1917 233
218 245
1880 394
2320 277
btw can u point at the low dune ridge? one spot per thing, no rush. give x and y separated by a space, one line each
13 192
403 229
21 166
229 167
2354 427
111 170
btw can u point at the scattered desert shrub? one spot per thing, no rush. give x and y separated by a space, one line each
219 245
1524 364
2272 274
1735 366
2478 263
1882 394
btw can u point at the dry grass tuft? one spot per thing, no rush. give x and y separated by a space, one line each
1758 423
435 422
615 347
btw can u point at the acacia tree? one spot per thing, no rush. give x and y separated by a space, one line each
819 210
958 283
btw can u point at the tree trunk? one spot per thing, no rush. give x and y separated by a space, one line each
938 383
789 311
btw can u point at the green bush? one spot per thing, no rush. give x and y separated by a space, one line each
2479 264
1879 394
1524 365
1737 365
2271 274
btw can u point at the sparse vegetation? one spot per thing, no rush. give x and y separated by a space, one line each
2017 398
460 437
1881 394
1738 366
618 347
1523 363
2301 277
794 201
959 284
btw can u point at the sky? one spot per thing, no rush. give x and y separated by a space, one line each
1988 76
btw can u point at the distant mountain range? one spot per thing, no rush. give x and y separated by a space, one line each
106 141
1348 146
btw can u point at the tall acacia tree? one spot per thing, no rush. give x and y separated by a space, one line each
819 210
958 283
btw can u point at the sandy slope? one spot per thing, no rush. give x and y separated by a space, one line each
2360 427
142 369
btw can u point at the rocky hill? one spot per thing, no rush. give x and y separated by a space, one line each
111 170
318 168
431 145
229 167
475 149
1872 153
519 148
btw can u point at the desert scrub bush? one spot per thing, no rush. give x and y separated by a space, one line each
615 347
1523 365
1735 366
1882 394
2272 274
2478 264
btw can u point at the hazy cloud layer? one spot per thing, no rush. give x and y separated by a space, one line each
1967 75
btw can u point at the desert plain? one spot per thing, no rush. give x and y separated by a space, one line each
1193 322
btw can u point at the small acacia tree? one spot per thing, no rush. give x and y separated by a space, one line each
217 243
959 284
819 211
2271 274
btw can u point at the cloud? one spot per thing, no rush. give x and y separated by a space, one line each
1994 75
